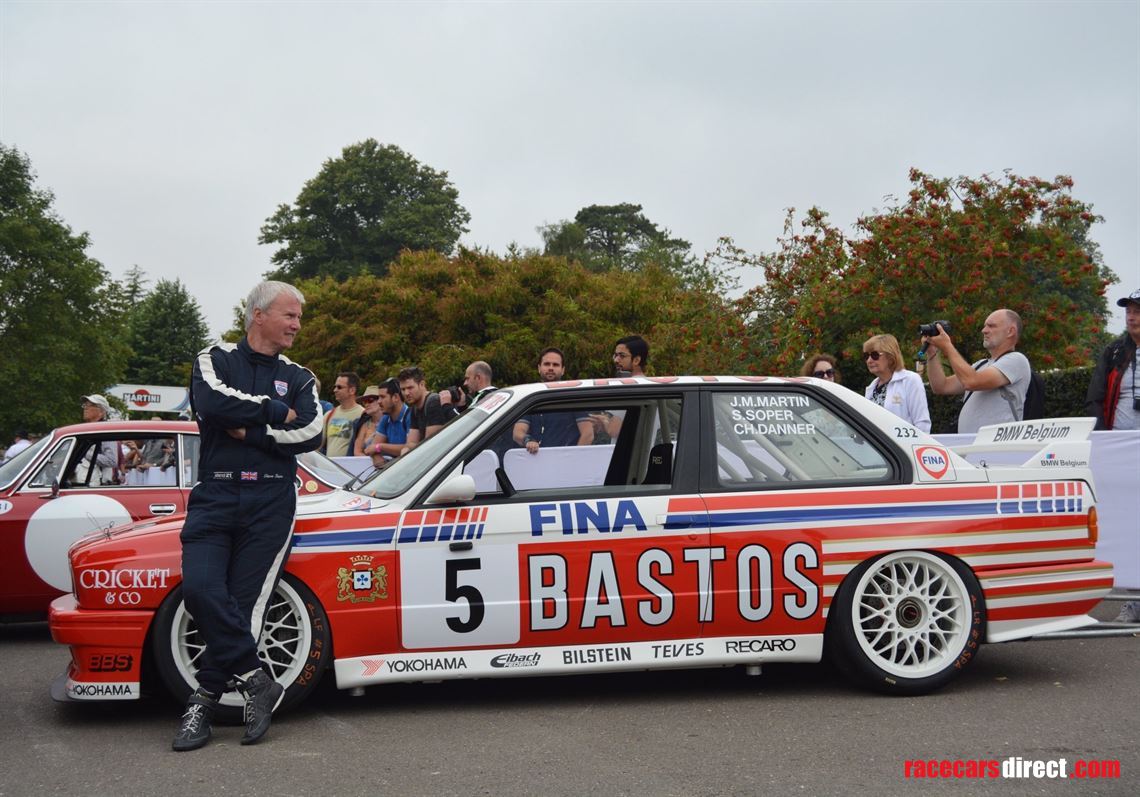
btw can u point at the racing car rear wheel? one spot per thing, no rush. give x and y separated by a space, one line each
907 622
295 645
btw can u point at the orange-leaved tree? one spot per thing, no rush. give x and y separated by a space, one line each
955 249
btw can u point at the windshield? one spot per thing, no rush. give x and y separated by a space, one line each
12 467
325 469
401 473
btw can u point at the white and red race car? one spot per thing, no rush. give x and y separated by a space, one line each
728 521
95 476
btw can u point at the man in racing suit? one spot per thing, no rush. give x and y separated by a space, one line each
256 411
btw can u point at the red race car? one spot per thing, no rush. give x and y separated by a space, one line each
712 521
94 477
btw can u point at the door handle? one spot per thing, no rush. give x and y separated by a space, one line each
459 546
162 509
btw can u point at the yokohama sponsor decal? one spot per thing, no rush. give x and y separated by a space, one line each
499 662
77 690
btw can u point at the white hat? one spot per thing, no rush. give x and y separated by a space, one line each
99 401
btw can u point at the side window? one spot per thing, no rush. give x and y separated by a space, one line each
95 463
148 462
562 446
774 439
53 466
190 447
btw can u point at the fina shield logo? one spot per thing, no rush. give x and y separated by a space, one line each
935 461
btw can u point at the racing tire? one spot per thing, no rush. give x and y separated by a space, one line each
295 644
906 623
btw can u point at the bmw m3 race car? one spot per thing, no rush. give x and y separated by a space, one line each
95 476
727 521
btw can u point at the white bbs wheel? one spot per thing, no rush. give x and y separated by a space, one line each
908 621
294 645
283 646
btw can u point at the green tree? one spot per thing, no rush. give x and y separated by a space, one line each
61 319
167 329
360 211
956 250
616 237
443 312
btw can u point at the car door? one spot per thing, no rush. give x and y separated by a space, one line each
594 551
22 591
67 495
784 474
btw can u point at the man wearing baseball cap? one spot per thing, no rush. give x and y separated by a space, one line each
105 461
1113 398
95 408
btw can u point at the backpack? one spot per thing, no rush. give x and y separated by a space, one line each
1034 397
1034 407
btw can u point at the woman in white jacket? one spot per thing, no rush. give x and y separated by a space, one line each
894 387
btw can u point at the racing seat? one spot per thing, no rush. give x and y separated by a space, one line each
660 469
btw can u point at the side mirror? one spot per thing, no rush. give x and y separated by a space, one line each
457 489
54 490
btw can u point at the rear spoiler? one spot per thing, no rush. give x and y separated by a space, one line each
1029 435
1054 442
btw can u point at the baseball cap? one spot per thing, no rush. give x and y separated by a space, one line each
99 401
1131 298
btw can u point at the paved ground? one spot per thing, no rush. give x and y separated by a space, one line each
793 730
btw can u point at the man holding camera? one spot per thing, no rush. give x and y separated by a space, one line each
476 384
1112 398
995 387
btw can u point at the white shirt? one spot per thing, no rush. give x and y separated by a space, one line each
906 398
1126 417
21 444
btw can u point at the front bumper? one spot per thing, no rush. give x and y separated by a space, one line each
106 651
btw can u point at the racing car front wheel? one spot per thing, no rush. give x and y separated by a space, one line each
906 623
295 645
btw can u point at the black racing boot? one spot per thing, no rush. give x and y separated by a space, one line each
262 696
194 731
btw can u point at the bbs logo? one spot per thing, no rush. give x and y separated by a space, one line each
110 662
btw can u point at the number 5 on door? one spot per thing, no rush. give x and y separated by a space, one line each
453 600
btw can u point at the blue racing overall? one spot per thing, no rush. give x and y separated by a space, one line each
239 522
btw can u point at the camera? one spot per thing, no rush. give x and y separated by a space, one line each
931 330
455 393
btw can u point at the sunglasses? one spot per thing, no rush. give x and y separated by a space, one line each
828 374
367 399
874 355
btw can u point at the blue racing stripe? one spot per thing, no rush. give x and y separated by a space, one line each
362 537
893 511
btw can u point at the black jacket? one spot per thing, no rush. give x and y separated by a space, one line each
1104 388
235 387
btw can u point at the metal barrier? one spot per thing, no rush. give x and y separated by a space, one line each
1103 628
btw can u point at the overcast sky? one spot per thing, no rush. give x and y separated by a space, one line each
170 131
